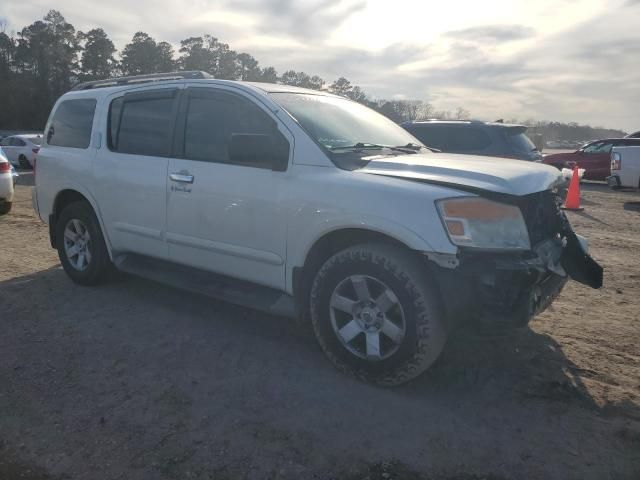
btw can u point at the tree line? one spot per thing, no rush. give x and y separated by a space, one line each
571 131
45 59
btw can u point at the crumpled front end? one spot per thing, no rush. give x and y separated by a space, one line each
501 290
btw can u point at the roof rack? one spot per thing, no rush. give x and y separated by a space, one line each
135 79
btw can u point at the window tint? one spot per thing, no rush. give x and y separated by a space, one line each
213 118
114 122
5 142
462 139
17 142
142 124
592 148
519 141
599 147
434 136
71 124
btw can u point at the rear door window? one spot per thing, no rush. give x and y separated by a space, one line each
71 123
142 123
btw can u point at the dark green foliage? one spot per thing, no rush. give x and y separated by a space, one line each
97 60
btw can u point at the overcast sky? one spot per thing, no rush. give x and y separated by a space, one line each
565 60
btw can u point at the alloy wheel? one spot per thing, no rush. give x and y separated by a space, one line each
77 244
367 317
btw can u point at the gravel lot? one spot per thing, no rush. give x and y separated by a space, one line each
134 380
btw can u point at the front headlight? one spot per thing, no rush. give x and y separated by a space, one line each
480 223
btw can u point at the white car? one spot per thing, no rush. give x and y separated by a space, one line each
7 182
625 167
302 203
21 150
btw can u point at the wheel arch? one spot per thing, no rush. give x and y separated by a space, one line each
65 197
323 248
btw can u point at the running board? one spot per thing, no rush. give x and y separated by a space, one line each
220 287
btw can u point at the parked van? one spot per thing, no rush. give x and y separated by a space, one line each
302 203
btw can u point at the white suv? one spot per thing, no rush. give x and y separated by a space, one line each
303 203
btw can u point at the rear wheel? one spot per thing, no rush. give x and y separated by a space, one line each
81 247
375 314
5 208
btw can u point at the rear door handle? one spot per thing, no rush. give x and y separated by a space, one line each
181 177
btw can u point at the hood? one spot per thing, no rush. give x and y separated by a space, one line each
499 175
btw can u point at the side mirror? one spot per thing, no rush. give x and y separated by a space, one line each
259 150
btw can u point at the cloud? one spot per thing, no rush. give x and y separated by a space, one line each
493 33
532 66
299 18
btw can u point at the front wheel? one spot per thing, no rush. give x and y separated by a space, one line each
375 314
81 247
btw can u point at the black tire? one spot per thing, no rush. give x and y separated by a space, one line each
398 269
5 208
24 163
99 267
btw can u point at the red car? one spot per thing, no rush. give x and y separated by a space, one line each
594 157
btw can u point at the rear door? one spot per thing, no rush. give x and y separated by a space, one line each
131 169
221 216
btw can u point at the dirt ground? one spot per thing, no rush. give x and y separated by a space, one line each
134 380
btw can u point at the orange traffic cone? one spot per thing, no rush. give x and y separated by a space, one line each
572 202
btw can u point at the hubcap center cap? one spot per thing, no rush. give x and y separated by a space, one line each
369 318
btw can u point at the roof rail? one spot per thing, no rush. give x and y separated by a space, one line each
135 79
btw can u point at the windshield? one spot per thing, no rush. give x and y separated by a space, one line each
336 122
519 141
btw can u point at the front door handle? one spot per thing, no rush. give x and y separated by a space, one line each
181 177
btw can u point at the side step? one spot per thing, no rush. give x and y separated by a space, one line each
220 287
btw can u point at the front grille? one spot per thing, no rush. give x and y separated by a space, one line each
542 214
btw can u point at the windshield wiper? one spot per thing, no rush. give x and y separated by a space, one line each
408 148
359 145
411 146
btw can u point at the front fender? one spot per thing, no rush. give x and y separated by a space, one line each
301 245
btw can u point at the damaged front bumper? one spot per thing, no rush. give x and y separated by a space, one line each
502 290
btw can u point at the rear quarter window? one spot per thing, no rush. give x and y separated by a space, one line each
519 141
467 140
71 123
434 136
